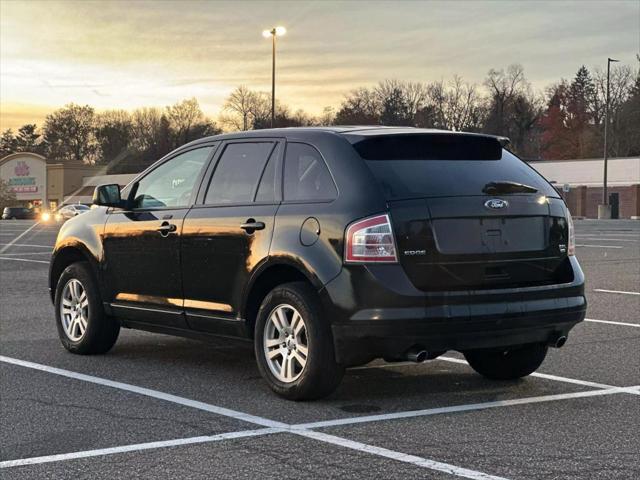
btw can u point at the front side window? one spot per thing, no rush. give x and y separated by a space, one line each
238 172
171 184
306 176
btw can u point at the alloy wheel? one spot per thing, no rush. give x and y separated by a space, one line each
285 343
74 310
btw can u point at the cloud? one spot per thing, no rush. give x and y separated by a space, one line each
113 54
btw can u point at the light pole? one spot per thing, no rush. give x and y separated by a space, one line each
606 212
273 33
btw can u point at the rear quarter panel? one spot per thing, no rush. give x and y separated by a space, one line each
358 196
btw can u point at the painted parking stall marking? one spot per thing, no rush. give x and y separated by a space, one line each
305 430
622 324
137 447
24 260
272 427
620 292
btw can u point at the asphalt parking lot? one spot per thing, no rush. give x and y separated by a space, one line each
163 407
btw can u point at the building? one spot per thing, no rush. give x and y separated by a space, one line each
580 183
40 184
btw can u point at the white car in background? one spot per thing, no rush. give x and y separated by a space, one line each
66 212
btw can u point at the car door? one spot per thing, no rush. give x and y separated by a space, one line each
229 232
141 263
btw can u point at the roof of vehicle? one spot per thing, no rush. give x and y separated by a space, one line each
360 130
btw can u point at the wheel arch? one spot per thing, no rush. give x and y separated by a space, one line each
265 279
64 257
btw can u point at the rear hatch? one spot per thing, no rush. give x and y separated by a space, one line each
466 213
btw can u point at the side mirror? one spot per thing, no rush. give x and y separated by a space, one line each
107 195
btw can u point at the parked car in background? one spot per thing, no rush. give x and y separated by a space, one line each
66 212
18 213
328 248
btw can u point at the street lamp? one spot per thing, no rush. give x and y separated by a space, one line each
273 33
606 210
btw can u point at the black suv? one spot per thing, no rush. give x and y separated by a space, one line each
328 247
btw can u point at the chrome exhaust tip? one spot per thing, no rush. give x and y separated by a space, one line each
558 342
416 355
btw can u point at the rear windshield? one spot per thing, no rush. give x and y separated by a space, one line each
444 165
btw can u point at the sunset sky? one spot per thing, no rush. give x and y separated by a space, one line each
127 54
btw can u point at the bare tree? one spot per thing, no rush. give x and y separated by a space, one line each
503 87
360 107
327 117
146 127
455 105
183 117
261 110
621 81
239 107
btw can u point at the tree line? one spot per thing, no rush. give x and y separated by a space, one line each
122 141
565 121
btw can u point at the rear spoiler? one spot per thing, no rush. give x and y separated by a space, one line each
503 141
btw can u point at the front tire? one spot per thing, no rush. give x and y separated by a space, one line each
83 327
507 363
294 345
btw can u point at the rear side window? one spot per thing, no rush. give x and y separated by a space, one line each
443 165
306 176
238 171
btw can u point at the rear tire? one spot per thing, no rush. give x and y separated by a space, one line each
290 324
83 327
507 363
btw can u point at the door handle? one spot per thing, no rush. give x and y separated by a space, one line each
251 225
166 228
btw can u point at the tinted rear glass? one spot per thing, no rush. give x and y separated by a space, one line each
439 167
430 146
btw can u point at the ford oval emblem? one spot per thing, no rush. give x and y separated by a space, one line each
496 204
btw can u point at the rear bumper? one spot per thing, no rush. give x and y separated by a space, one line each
378 313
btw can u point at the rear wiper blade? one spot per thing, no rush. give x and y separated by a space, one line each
507 187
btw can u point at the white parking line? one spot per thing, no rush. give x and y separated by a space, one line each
464 408
600 246
608 239
400 457
245 417
609 234
25 253
584 383
24 260
26 245
137 447
602 290
15 240
277 426
613 323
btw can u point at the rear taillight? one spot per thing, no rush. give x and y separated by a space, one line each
571 248
370 240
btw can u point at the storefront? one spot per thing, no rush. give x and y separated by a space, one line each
39 184
26 175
